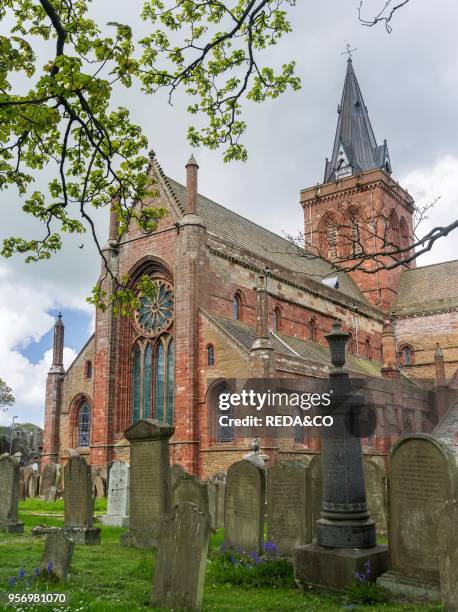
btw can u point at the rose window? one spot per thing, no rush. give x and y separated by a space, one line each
155 315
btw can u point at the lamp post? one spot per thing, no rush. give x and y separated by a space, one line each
12 434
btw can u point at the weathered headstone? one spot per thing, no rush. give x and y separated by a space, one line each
22 495
422 478
448 556
245 506
219 482
78 502
375 479
118 496
52 494
98 483
187 487
48 478
150 485
179 574
288 505
31 483
9 495
57 555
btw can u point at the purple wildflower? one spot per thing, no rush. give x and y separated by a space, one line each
11 581
50 567
36 571
254 555
21 573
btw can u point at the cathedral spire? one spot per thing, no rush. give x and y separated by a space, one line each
355 148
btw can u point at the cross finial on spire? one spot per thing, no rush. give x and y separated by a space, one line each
348 51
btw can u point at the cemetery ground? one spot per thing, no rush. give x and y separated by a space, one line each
108 577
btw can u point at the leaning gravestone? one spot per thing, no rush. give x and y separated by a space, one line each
375 479
78 502
448 556
289 505
31 484
118 496
150 485
48 479
52 494
57 555
422 478
245 506
9 495
179 573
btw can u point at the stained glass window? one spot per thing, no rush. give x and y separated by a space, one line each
159 387
136 384
170 383
155 315
147 378
84 425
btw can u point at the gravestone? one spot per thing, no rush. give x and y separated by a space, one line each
22 495
118 496
78 502
52 494
9 495
316 488
219 482
150 483
448 556
422 478
187 487
245 506
375 479
288 505
57 555
98 483
31 483
48 479
179 573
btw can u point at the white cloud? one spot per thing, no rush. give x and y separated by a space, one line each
24 319
427 184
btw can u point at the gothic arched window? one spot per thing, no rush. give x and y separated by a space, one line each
84 424
153 379
276 315
404 230
223 433
237 306
210 355
393 230
406 355
312 329
368 349
88 369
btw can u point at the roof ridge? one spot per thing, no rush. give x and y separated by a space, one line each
437 263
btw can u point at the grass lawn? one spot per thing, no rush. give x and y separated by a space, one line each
111 578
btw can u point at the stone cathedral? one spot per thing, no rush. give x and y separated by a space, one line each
236 300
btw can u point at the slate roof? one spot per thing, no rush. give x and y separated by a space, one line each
355 133
261 242
245 334
428 289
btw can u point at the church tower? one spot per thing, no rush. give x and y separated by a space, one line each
359 210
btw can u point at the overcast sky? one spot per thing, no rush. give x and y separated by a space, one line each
410 86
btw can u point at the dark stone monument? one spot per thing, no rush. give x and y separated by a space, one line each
421 479
57 555
179 574
448 556
79 503
316 488
150 482
9 495
245 506
288 505
346 537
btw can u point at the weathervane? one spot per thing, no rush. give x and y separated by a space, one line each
348 51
